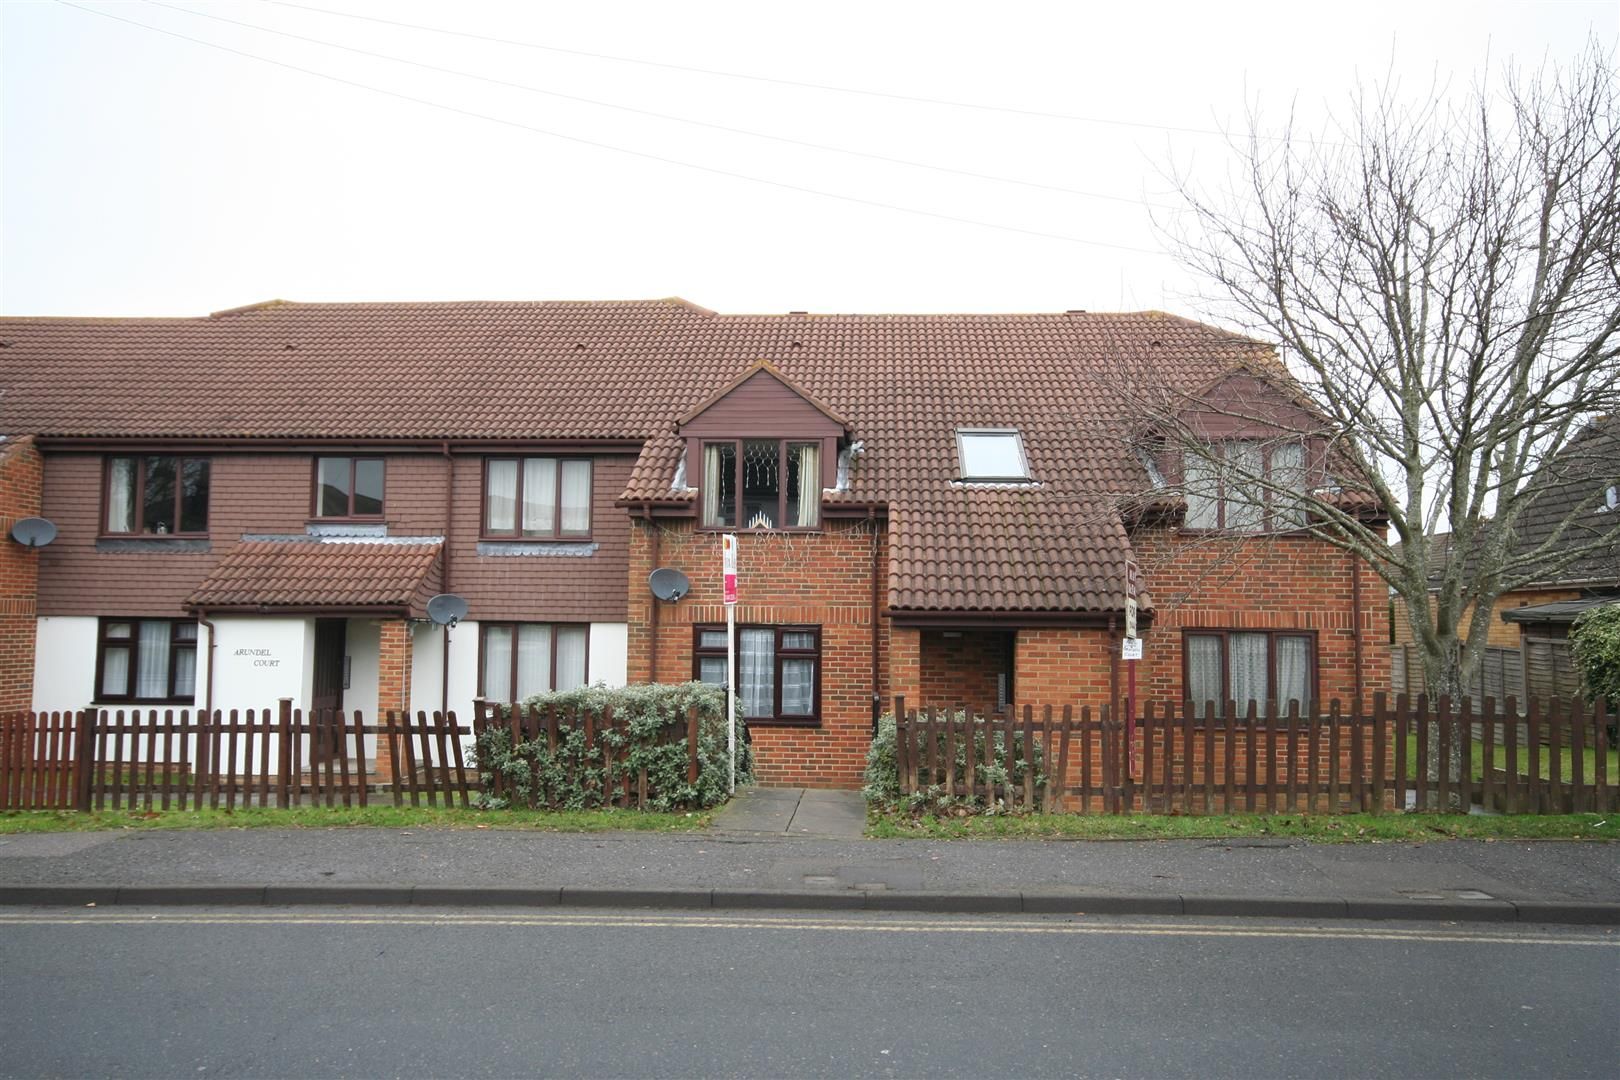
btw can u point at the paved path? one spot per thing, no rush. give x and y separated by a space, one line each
794 812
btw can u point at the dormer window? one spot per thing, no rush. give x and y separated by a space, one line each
991 455
1245 486
761 484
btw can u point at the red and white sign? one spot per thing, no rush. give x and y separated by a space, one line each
728 568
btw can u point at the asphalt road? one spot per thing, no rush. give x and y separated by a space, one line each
201 993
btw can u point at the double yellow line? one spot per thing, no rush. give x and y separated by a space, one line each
842 924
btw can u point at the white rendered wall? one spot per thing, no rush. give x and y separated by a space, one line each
610 653
64 662
259 661
363 647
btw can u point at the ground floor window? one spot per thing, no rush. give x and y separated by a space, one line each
778 669
1241 666
524 659
146 660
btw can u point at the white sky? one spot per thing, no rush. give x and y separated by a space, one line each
146 175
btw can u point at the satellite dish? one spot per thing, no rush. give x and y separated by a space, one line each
668 584
33 532
447 609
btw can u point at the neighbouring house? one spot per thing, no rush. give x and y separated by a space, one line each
956 508
1569 536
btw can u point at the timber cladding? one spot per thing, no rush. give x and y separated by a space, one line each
821 579
21 489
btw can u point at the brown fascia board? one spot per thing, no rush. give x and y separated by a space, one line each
306 444
749 372
685 508
1009 620
402 611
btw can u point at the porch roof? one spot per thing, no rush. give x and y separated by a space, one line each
322 575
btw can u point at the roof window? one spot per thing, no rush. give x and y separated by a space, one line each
991 454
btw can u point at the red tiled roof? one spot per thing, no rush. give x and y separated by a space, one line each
280 574
629 371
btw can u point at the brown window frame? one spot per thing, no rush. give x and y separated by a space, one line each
1268 524
139 500
778 654
1225 633
353 460
782 446
511 685
517 533
133 644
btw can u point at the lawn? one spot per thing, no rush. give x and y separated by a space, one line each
1499 758
1337 829
386 817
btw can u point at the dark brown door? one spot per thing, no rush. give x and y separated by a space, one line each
330 638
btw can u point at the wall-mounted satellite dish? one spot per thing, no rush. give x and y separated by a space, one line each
668 584
447 609
33 532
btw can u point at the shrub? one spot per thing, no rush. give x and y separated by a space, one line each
882 777
649 733
1594 645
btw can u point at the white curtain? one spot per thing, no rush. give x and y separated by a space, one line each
1245 499
539 496
152 676
501 496
1293 672
121 496
1203 502
576 496
185 672
1204 672
808 508
1247 662
798 687
712 670
533 660
1288 476
571 656
498 663
711 485
115 671
756 671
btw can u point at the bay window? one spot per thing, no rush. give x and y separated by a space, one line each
761 484
1246 486
520 660
1241 666
537 497
156 496
142 660
778 669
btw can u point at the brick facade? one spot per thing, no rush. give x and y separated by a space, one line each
393 678
21 491
963 667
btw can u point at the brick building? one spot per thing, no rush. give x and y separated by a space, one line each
258 504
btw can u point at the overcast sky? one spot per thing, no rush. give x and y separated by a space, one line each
147 174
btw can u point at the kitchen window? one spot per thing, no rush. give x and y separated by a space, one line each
520 660
1241 666
142 660
537 498
778 669
151 495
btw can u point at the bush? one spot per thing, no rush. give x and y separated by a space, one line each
882 777
572 778
1594 644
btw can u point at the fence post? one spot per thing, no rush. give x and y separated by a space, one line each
284 740
84 757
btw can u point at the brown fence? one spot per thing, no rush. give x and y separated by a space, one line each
118 760
621 784
1555 757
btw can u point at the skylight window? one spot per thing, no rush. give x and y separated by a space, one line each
991 454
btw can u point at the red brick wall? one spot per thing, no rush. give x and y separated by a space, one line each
1283 582
393 678
823 579
961 669
21 484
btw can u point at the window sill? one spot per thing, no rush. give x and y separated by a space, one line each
379 519
783 721
168 545
181 703
793 529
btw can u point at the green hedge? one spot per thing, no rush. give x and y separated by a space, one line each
570 778
882 787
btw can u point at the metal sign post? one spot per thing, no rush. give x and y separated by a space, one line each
1130 651
728 571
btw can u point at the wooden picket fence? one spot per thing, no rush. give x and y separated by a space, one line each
1171 760
169 759
621 785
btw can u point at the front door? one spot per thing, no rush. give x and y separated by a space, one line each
331 636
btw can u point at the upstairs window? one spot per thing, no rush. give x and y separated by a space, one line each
146 660
991 455
348 487
1250 488
537 497
761 484
157 496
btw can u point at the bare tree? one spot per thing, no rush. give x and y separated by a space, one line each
1444 280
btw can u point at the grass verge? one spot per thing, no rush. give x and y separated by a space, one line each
382 817
1341 829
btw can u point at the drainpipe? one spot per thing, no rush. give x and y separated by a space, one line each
877 697
208 667
444 580
1355 621
652 622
